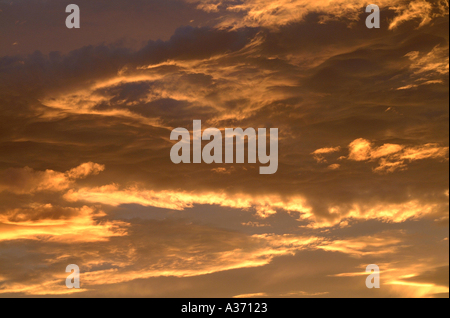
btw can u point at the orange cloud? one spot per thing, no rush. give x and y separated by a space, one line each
334 166
429 68
360 150
255 295
84 170
393 157
272 14
230 81
265 206
419 9
385 212
416 290
384 243
319 153
403 279
27 180
114 196
326 150
51 286
286 295
46 222
256 251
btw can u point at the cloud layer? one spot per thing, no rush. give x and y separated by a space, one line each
85 170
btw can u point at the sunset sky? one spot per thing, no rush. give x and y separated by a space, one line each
86 176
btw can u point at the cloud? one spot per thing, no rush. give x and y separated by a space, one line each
264 206
413 280
147 227
295 294
396 213
428 69
254 295
319 153
268 13
434 62
368 245
343 215
177 200
326 150
251 77
184 254
259 250
27 181
421 10
393 157
62 224
360 150
84 170
335 166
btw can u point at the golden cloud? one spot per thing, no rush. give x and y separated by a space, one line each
265 206
383 243
319 153
258 250
179 200
49 223
429 68
385 212
27 180
419 9
394 157
402 279
272 14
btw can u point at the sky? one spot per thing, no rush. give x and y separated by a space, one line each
86 176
